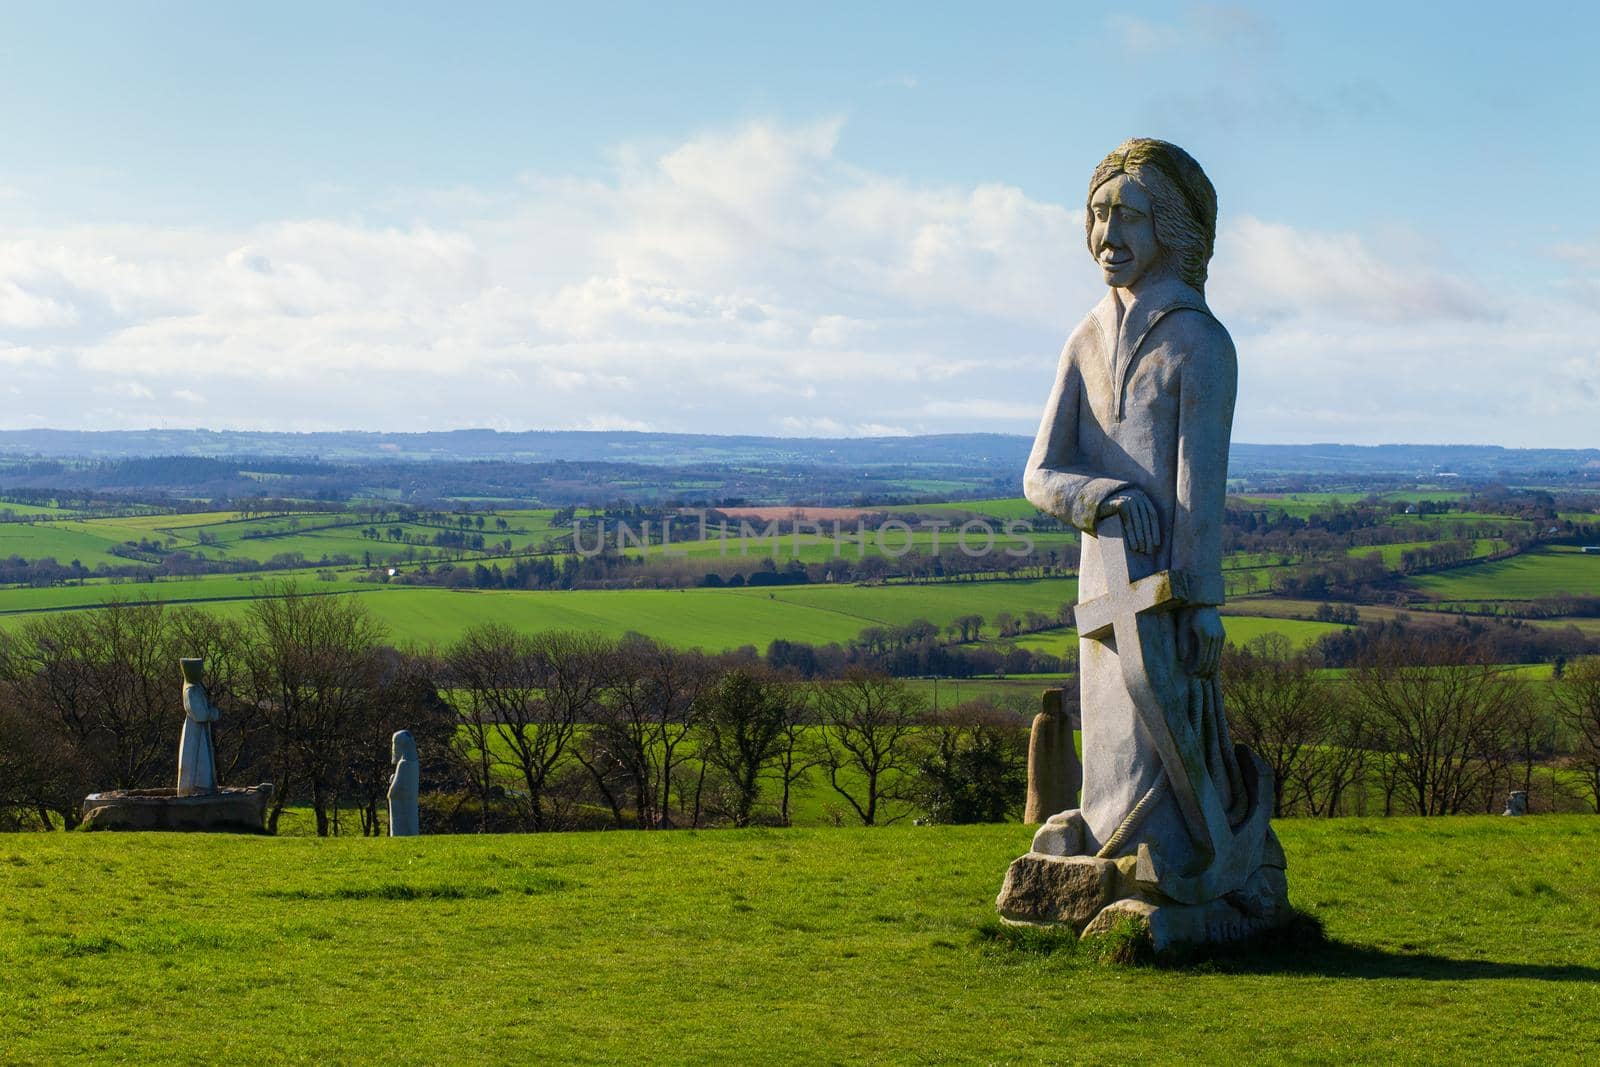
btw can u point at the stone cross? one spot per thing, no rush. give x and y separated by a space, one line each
1119 617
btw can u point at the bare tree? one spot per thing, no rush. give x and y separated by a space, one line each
525 695
799 750
40 779
109 680
404 698
1576 695
1436 708
867 722
1328 776
1277 705
743 733
312 674
653 701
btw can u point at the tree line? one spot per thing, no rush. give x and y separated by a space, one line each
560 730
1424 721
541 731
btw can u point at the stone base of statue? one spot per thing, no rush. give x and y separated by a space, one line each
1056 886
235 810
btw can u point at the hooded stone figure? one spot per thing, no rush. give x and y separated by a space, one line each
197 759
403 821
1133 452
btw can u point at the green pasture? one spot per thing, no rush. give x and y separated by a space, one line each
1391 554
1302 505
1004 508
18 602
1449 940
847 547
1545 571
714 619
1240 629
89 542
43 511
312 534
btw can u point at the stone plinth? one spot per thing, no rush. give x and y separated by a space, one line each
1054 885
240 810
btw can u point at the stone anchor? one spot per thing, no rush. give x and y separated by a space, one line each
1121 618
1235 885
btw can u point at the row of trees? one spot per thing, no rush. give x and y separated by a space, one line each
1425 724
559 730
552 730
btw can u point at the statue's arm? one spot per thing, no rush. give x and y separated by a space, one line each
198 704
1207 389
1055 480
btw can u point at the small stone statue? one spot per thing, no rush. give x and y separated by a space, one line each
403 821
197 754
1516 803
1053 770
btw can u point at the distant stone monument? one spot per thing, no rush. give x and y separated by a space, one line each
1516 803
1173 830
1053 770
196 803
197 754
403 821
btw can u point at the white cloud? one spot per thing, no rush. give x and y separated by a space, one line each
749 280
1266 269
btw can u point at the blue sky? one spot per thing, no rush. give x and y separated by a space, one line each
814 219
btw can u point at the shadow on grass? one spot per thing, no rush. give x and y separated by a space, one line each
1300 947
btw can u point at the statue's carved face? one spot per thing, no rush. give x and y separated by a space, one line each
1123 235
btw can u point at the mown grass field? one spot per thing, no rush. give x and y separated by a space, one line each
1452 940
1545 571
714 619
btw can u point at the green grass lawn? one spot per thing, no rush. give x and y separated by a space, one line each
1452 940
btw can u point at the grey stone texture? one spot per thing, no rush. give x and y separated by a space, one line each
1053 770
403 816
227 810
197 754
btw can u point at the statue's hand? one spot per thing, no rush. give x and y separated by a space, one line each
1201 631
1141 524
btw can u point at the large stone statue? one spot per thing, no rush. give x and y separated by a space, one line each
403 821
197 753
1133 451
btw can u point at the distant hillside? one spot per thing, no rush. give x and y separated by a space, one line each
538 446
999 453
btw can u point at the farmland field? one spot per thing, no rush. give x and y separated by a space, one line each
1546 571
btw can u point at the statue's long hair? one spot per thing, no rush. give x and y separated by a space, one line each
1184 199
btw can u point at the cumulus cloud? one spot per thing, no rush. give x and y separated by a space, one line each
747 280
